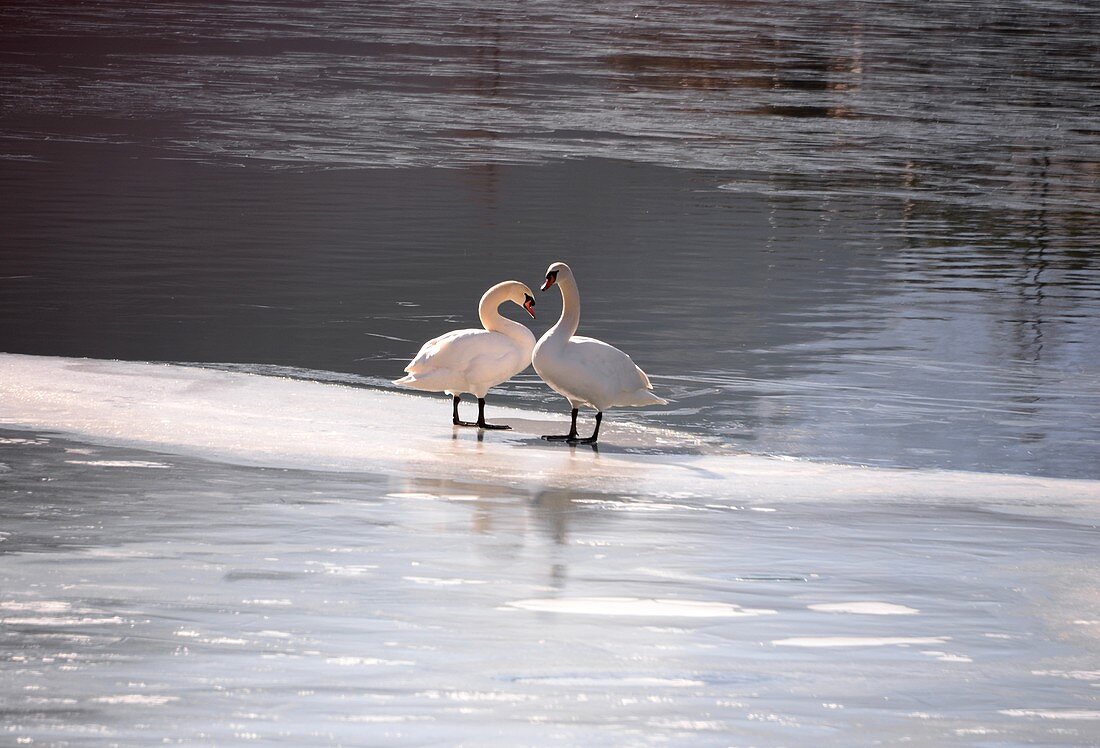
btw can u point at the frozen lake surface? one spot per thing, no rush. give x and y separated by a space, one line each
504 591
854 244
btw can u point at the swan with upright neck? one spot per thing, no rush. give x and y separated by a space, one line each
474 360
585 371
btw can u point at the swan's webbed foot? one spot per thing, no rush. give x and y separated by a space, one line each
571 436
595 432
480 423
454 415
493 426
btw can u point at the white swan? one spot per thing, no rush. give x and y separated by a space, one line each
475 360
583 370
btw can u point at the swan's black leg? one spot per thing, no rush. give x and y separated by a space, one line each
566 437
481 417
454 418
595 432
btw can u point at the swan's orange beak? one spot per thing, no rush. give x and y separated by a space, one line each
549 281
529 305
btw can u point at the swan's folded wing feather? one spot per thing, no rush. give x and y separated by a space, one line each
438 352
614 367
464 351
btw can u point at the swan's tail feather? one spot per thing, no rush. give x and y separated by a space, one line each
645 396
434 381
418 383
640 398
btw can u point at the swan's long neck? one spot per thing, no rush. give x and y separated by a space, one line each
570 310
491 318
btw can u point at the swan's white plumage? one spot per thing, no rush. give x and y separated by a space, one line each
586 371
466 361
475 360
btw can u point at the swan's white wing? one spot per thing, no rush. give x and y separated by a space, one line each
439 352
593 372
466 361
608 363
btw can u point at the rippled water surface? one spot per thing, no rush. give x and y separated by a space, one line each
835 230
850 231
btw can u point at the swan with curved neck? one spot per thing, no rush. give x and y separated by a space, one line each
474 360
585 371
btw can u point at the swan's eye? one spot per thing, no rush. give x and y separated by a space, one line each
528 300
552 275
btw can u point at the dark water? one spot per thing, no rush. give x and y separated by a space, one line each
851 231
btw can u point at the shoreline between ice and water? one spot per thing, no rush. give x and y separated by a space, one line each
265 421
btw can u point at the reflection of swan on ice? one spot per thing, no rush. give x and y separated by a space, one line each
475 360
583 370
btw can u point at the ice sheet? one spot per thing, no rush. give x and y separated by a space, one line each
216 604
259 420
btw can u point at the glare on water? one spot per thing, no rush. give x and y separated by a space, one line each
831 231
